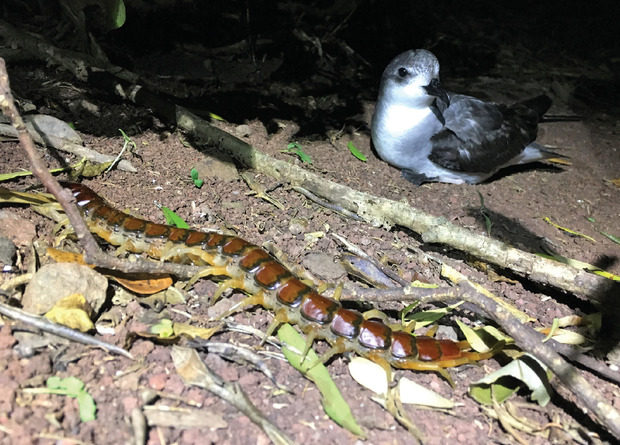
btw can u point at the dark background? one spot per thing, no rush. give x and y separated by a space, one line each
332 52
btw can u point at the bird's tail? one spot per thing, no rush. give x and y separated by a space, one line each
539 104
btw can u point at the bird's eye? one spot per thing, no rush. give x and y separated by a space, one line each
402 72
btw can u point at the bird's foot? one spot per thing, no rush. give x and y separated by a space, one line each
415 177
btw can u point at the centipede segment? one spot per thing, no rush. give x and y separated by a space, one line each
268 283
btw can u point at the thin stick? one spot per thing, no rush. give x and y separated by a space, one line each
46 325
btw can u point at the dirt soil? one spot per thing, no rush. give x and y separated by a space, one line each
579 196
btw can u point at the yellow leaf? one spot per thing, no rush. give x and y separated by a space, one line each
614 181
572 232
194 331
72 311
560 161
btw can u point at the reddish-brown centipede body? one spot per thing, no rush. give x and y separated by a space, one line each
269 284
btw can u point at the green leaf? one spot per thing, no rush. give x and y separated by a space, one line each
216 117
567 230
504 382
333 403
53 382
580 265
614 238
164 328
355 152
116 13
173 219
74 387
485 213
295 148
194 174
483 339
87 407
428 317
406 310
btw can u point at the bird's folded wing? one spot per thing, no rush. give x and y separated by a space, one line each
482 136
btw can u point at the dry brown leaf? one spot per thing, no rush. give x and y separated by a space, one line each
61 256
144 284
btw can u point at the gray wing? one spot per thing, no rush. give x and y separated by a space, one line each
482 136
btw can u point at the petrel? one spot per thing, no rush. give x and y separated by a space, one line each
435 135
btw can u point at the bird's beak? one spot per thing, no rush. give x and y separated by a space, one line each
434 89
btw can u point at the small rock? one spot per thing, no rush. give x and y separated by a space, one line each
243 131
17 229
158 381
56 281
222 167
7 251
323 266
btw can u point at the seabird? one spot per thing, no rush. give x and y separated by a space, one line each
435 135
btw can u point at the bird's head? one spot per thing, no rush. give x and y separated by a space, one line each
412 78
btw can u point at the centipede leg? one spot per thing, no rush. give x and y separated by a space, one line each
233 283
210 271
253 300
378 359
280 317
310 337
337 348
433 330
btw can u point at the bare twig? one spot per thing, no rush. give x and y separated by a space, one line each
328 205
46 325
193 371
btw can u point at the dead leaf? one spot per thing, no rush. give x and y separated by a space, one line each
72 311
144 284
61 256
560 161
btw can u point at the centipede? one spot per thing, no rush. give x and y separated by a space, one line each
242 265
